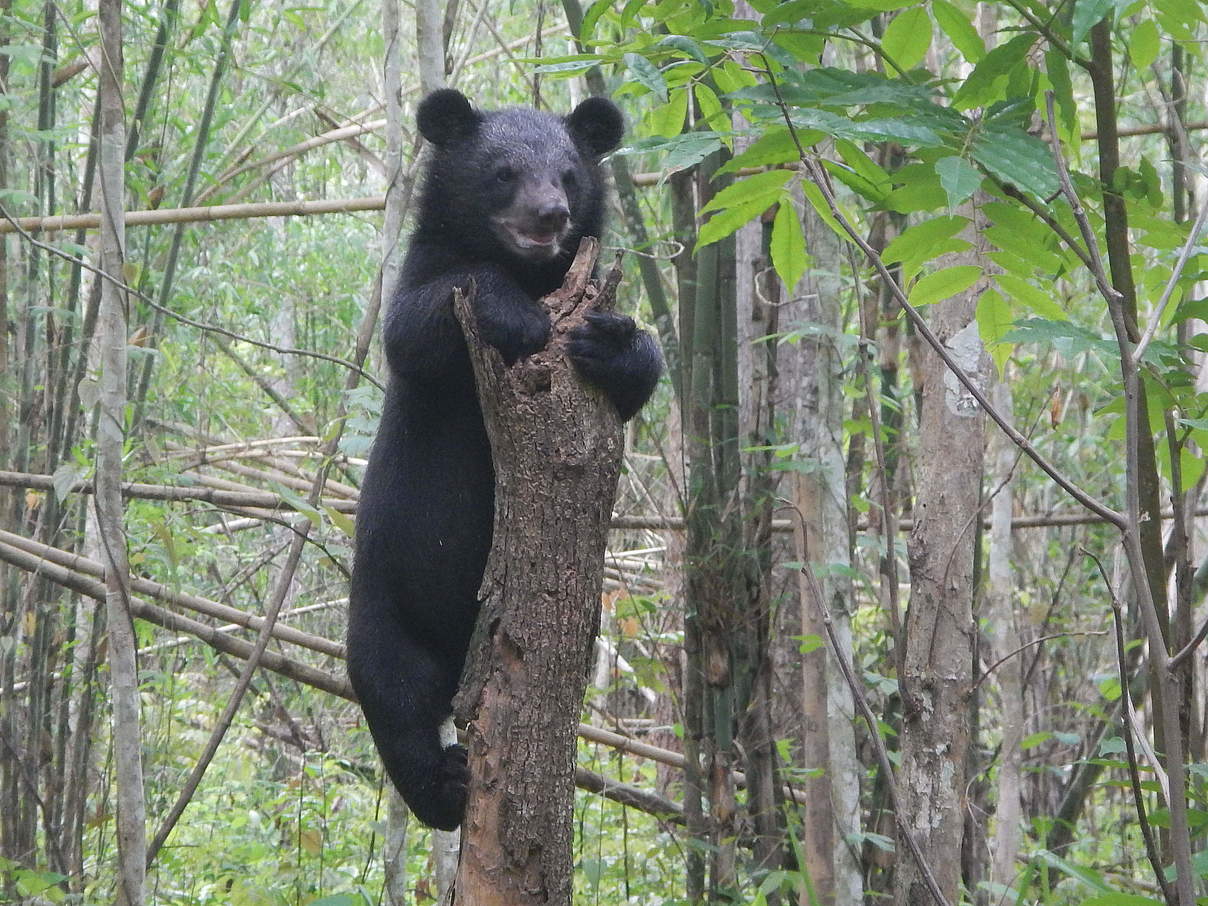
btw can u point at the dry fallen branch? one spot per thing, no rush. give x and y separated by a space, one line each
256 500
212 636
242 500
87 567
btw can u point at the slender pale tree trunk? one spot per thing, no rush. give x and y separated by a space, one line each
111 435
820 494
939 633
430 44
1003 640
395 851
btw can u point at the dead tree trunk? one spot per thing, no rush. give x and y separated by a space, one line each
556 445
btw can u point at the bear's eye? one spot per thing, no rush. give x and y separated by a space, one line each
569 179
505 175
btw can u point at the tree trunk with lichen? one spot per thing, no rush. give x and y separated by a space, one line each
556 445
939 633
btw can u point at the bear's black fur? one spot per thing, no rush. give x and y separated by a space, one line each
506 199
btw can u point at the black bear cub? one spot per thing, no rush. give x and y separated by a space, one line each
507 197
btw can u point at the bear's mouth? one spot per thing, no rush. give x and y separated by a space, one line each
543 243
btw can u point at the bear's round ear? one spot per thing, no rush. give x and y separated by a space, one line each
598 124
445 116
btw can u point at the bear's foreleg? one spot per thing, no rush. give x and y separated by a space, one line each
422 337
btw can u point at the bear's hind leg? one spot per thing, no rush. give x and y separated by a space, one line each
406 693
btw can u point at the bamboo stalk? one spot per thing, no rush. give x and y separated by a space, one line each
59 222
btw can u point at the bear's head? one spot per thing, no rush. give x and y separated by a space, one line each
528 180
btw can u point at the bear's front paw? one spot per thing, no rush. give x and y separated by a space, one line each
452 788
596 345
611 352
519 331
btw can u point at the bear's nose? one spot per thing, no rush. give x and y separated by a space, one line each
553 217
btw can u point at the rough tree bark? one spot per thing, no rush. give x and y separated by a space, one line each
939 631
556 445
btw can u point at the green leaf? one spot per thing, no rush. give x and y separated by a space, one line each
919 190
993 323
858 171
1091 879
814 196
681 152
1058 71
1120 899
959 29
722 224
1179 18
958 177
760 186
1087 13
342 521
807 48
857 182
776 146
885 5
1018 233
1192 467
831 87
893 129
711 111
907 37
943 284
742 41
591 17
788 13
1067 337
984 85
923 241
863 165
690 149
567 68
668 119
646 73
1110 689
789 255
1033 740
1144 44
730 77
1191 308
299 503
1026 294
686 46
1015 157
